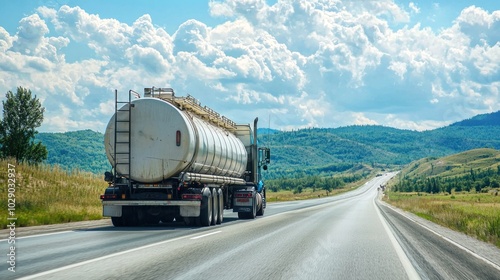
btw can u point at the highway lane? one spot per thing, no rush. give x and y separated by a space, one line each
341 237
318 238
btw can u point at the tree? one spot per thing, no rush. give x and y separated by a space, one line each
22 114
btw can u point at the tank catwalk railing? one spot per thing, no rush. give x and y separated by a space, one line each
191 104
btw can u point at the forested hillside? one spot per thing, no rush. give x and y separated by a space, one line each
459 191
314 151
474 170
83 149
492 119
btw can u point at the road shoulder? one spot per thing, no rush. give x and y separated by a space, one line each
482 249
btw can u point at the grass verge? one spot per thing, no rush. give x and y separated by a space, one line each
50 195
475 214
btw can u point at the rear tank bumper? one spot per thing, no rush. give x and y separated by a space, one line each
113 208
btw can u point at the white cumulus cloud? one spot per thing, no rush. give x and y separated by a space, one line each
323 63
414 7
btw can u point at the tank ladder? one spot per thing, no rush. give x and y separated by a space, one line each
122 146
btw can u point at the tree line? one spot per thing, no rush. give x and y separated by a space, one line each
298 184
474 180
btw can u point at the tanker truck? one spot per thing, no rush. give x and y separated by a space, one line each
174 160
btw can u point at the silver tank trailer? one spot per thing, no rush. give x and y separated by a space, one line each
166 141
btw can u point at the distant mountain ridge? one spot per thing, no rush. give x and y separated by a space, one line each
313 151
490 119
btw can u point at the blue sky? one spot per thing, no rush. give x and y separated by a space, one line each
317 63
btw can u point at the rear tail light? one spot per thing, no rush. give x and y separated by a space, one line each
245 194
191 196
109 196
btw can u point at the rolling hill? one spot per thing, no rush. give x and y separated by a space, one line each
454 165
313 149
83 149
477 169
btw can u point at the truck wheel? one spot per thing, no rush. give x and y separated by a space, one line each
168 219
130 217
220 217
215 206
206 208
132 221
152 220
140 217
252 214
261 210
117 221
190 221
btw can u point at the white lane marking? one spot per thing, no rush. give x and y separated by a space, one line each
205 235
38 235
410 270
33 276
496 266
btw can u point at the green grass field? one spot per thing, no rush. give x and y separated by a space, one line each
474 211
49 195
475 214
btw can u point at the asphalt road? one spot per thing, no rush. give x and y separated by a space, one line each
351 236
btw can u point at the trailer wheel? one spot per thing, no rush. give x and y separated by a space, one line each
215 206
167 219
153 220
189 221
130 216
206 208
117 221
220 217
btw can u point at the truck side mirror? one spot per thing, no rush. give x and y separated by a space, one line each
268 156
